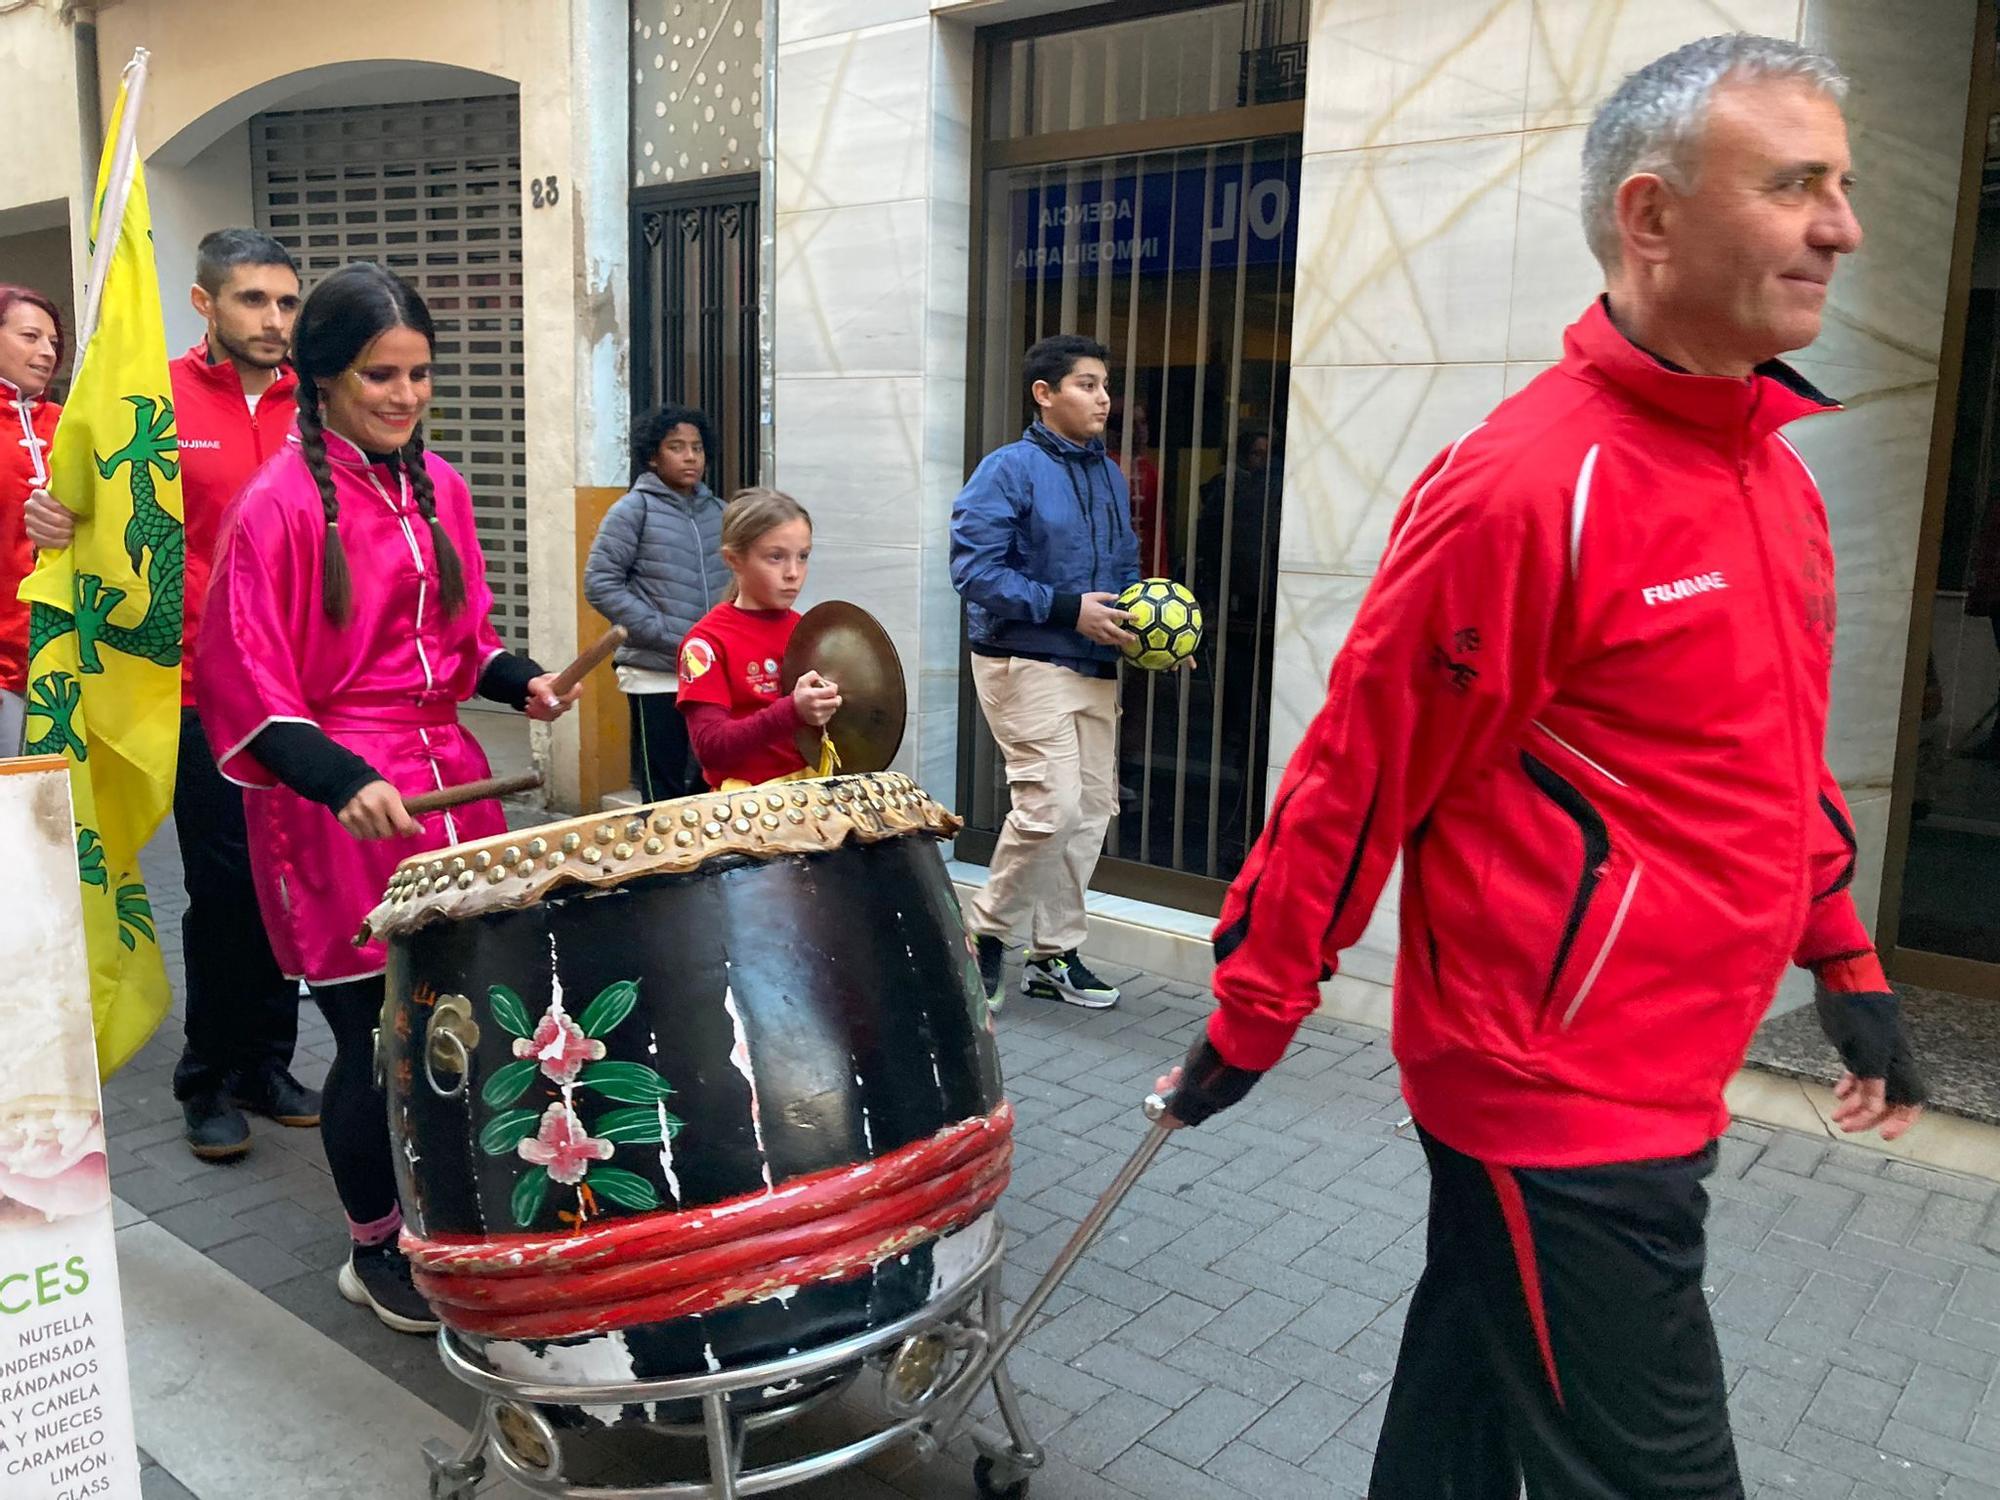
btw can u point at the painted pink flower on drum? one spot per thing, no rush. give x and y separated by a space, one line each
563 1146
560 1046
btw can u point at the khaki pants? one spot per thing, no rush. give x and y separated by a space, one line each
1057 731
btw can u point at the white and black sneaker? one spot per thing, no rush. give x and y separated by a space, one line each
991 953
1063 976
377 1277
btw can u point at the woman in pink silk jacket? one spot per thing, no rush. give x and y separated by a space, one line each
347 620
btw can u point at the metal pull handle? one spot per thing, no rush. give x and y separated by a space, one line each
449 1037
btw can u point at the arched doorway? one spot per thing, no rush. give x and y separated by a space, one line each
417 165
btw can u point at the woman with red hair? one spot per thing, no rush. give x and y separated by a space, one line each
31 350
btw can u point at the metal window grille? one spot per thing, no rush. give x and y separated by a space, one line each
432 190
694 314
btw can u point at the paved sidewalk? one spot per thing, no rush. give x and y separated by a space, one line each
1234 1331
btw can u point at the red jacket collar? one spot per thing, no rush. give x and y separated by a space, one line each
221 377
1735 409
11 394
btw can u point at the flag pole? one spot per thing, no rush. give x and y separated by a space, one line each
111 211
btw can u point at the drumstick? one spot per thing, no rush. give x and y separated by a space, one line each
471 791
587 660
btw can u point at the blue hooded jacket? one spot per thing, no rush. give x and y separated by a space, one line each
1041 522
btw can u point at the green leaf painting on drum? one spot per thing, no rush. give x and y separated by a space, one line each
510 1083
533 1100
506 1131
636 1127
626 1189
630 1083
529 1194
611 1006
509 1011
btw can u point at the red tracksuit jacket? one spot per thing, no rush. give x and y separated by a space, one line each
223 442
27 427
1585 698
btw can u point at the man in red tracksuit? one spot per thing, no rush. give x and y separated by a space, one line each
234 401
1585 701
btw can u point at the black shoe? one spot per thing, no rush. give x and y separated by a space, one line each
276 1095
991 953
378 1277
216 1129
1062 976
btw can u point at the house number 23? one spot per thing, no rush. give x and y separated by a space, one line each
543 191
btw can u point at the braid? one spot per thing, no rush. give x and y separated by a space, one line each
335 586
451 572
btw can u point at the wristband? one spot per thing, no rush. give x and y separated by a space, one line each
1867 1031
1207 1084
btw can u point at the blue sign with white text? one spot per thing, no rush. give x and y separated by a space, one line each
1157 221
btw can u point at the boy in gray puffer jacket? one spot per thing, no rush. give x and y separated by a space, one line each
656 568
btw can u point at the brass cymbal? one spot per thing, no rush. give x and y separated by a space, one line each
848 646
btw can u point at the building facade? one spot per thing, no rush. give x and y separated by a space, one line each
1321 238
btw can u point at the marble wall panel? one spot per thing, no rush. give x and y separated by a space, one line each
1388 72
802 20
1555 275
1359 435
851 290
1870 461
1910 68
854 117
1869 652
1582 49
1314 613
851 452
1406 260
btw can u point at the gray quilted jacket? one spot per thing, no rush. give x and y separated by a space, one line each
656 568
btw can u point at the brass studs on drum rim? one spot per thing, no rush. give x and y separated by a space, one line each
741 825
711 830
537 847
654 845
592 855
571 842
684 839
690 816
621 851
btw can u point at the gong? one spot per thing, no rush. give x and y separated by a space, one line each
848 646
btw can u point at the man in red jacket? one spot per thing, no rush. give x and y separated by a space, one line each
233 408
1585 701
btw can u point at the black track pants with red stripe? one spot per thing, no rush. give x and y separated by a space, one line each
1559 1335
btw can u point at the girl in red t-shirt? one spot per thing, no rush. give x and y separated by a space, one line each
739 722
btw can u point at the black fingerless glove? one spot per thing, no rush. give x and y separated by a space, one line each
1867 1031
1207 1084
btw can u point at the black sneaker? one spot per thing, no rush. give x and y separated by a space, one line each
216 1129
991 953
378 1277
276 1095
1063 976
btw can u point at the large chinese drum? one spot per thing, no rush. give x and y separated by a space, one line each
694 1087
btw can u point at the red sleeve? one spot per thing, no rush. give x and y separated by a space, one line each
1835 944
704 671
1448 655
721 743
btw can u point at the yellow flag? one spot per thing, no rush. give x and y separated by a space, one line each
104 633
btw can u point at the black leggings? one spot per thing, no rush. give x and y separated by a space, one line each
353 1111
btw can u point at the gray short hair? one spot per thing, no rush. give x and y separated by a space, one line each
1653 123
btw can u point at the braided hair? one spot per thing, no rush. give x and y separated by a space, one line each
344 314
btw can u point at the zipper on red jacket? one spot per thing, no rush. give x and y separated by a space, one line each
1781 640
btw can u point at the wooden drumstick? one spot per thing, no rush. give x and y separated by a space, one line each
471 791
587 660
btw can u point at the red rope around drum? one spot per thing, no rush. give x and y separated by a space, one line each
828 1227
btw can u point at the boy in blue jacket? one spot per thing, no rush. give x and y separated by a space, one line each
1041 544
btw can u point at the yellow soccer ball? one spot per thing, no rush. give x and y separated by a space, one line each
1165 623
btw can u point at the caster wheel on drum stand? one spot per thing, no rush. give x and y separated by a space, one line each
991 1488
454 1476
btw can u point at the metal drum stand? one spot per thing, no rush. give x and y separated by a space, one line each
932 1366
